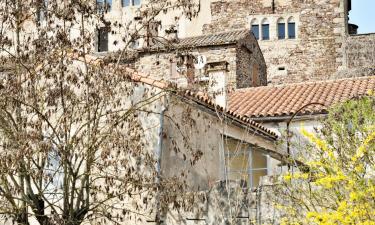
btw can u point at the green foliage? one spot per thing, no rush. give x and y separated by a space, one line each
339 185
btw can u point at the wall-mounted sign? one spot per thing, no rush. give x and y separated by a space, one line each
201 61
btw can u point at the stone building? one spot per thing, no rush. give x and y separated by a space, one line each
215 63
300 40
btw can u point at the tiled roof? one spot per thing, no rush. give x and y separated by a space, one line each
164 45
205 40
198 97
280 101
202 98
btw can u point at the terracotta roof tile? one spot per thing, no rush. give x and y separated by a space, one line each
199 97
275 101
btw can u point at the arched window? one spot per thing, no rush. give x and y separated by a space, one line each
265 30
126 3
255 28
281 28
291 28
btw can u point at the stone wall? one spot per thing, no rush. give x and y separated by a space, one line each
251 68
245 62
359 56
360 51
317 51
194 130
163 65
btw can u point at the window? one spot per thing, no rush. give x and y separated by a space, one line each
103 39
265 30
136 2
255 28
42 10
281 28
291 28
244 162
126 3
103 5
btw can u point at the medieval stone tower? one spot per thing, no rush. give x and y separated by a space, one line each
300 40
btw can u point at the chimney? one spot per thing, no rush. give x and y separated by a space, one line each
171 33
217 73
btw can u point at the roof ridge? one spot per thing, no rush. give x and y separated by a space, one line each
285 100
196 95
217 33
305 83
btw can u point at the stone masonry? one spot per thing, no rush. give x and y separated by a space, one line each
322 47
245 65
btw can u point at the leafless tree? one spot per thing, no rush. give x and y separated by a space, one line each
72 147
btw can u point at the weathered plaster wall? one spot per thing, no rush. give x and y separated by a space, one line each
186 125
184 26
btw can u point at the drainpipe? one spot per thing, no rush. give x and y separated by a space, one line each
159 153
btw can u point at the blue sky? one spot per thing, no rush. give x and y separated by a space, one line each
363 14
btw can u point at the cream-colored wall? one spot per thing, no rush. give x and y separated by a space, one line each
185 27
297 142
205 132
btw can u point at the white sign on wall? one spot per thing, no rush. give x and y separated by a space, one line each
201 62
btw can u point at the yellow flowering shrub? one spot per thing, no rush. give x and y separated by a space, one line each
337 185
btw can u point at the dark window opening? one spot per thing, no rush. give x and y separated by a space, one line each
282 68
255 30
103 39
42 10
103 5
265 31
291 30
281 30
126 3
